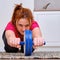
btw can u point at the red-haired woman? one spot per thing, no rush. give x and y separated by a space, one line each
22 19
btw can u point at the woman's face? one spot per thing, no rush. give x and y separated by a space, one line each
22 25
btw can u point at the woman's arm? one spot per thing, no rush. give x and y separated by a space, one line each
36 32
37 37
11 39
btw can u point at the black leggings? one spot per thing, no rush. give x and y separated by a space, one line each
9 48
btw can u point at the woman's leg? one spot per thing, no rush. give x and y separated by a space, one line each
10 49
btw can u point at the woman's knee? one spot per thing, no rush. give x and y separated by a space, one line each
10 49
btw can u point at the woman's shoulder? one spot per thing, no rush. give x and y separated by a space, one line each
10 26
9 23
34 21
34 24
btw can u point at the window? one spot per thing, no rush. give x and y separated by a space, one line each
46 5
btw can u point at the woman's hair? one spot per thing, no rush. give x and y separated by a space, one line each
20 12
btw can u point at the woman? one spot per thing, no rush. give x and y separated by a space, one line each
22 19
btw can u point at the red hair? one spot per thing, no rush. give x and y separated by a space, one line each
20 12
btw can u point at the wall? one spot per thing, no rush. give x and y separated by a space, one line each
49 22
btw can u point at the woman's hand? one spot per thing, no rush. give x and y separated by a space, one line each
38 41
14 42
